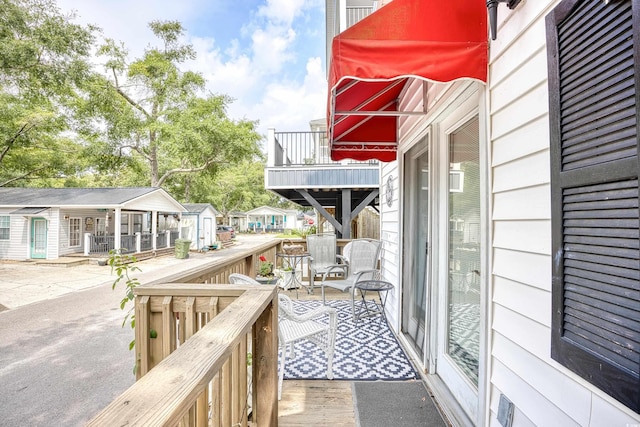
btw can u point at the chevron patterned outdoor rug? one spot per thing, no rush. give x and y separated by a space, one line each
368 351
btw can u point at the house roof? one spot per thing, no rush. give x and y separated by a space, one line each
86 197
266 210
199 207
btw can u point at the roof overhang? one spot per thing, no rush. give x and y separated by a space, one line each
373 60
29 211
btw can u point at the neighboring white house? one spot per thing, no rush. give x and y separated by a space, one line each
238 220
268 219
509 217
199 224
46 223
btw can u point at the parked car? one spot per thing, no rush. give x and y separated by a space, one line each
228 228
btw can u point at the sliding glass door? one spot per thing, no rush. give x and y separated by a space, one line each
416 246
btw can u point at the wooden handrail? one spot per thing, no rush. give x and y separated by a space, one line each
193 334
168 393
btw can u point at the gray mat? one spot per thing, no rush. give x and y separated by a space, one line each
395 403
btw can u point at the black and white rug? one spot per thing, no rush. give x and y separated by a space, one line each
368 351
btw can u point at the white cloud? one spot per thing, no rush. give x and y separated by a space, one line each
255 66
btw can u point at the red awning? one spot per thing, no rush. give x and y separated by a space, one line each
372 61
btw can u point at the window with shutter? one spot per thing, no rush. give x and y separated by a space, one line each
592 49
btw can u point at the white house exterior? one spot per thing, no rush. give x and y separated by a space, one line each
467 220
199 224
47 223
266 218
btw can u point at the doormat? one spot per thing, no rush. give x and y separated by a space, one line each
368 351
394 403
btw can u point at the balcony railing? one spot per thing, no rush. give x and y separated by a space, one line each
192 340
129 243
303 149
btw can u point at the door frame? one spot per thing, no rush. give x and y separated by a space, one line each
32 240
470 95
467 105
422 147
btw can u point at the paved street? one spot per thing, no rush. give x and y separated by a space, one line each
63 353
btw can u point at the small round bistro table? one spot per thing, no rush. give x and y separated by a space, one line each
293 261
372 286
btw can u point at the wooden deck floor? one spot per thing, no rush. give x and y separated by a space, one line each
316 402
321 403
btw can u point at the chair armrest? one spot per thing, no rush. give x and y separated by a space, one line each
342 260
332 269
311 314
358 274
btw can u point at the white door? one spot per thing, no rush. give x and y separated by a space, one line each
208 231
459 258
416 246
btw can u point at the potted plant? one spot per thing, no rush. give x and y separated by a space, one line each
265 272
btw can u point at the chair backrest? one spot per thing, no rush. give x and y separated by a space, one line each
322 249
285 305
362 254
241 279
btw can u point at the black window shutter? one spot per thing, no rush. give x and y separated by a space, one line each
592 52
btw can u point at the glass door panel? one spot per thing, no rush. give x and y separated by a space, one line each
416 236
38 238
463 287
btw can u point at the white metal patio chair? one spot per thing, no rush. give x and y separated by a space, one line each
322 256
241 279
362 264
294 327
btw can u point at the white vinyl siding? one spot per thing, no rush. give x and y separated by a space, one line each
543 392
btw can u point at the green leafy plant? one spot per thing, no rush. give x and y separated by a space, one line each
123 266
265 268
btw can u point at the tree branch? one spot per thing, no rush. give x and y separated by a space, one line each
21 176
126 97
24 129
171 172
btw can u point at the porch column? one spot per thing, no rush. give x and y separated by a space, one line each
117 227
87 244
271 148
345 213
154 229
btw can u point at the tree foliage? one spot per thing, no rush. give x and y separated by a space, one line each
43 59
134 122
156 115
239 187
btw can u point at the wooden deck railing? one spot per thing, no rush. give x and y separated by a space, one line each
192 344
193 334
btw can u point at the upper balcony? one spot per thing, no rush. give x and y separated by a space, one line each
299 166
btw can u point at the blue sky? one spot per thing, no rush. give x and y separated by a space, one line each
266 54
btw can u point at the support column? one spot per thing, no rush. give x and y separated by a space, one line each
346 213
154 230
117 229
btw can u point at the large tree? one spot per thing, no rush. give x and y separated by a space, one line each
153 113
43 59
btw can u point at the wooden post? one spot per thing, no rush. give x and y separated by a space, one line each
265 367
242 387
142 311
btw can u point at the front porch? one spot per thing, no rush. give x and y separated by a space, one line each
200 380
102 245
